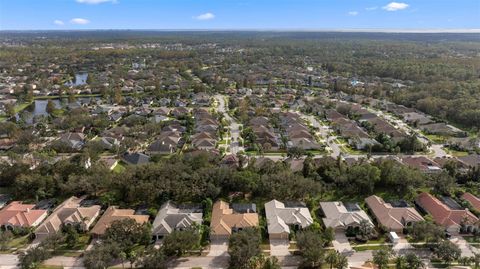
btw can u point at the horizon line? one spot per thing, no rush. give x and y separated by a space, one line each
345 30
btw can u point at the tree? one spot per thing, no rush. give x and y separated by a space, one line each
295 152
33 257
381 257
179 242
400 262
242 246
413 261
332 258
154 258
101 256
365 230
342 262
476 261
50 107
447 251
310 244
71 235
443 183
5 237
426 231
263 262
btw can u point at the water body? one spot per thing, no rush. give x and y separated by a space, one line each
39 107
79 80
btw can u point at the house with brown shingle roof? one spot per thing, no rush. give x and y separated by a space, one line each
392 218
450 218
114 214
18 215
472 199
226 220
70 212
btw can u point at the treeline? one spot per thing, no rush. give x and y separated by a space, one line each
194 178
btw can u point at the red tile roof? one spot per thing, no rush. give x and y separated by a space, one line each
442 214
472 199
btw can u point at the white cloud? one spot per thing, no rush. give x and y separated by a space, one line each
205 16
353 13
371 8
95 2
79 21
58 22
394 6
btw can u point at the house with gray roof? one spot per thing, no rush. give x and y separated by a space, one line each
340 216
283 218
172 217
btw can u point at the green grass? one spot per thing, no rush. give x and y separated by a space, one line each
20 107
75 251
456 153
438 139
119 168
17 243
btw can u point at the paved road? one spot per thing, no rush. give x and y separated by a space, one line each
8 261
234 126
359 258
203 262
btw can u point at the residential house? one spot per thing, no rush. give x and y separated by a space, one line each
422 163
472 199
471 161
282 218
135 158
452 218
70 212
441 128
227 220
416 119
113 214
18 215
167 143
390 216
73 140
341 217
171 217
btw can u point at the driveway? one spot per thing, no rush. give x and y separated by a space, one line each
402 246
357 259
341 244
218 248
63 261
8 261
463 245
279 247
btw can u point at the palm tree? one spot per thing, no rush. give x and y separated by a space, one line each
413 261
342 262
476 261
400 262
331 258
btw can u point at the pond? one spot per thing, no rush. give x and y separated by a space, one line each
79 80
39 107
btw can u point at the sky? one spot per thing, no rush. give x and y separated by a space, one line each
239 14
